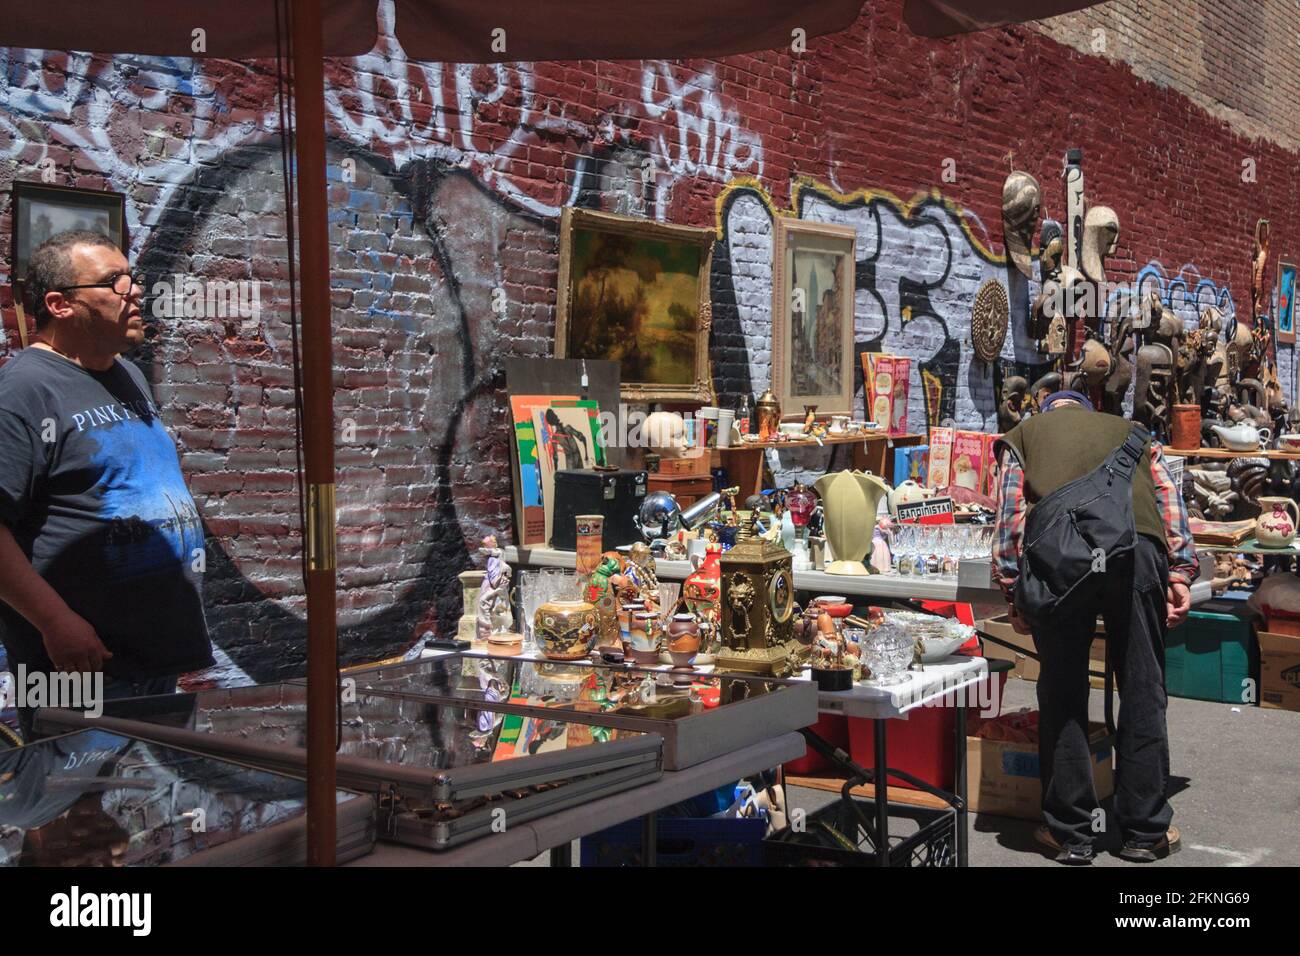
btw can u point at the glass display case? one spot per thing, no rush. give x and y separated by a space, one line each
700 716
101 798
441 770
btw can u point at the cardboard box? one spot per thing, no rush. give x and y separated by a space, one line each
1026 667
1279 671
1002 776
887 377
911 462
940 464
968 464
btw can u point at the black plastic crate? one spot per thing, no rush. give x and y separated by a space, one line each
833 836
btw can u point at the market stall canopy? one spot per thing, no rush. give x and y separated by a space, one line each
460 31
944 18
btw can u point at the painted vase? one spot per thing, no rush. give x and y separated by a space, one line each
702 592
626 611
645 633
1276 526
566 630
683 639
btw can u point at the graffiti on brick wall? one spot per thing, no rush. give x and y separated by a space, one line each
919 266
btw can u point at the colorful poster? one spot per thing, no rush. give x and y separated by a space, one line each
530 509
567 436
1285 302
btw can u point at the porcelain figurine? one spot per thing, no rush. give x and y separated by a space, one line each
494 615
467 626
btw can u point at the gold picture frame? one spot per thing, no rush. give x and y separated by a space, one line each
677 368
813 361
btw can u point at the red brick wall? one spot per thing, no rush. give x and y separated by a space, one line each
446 185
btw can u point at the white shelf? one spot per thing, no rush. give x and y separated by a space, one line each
973 584
929 588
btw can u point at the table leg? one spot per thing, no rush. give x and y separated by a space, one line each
562 856
882 794
650 840
959 783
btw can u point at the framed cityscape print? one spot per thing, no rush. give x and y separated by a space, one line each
41 211
813 360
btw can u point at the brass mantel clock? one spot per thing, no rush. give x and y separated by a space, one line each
757 608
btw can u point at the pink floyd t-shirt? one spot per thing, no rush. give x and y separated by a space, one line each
92 490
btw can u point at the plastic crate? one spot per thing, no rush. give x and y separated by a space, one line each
831 836
682 841
1210 656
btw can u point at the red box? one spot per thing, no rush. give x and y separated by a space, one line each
832 728
923 745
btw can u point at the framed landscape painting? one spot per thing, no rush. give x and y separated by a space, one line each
637 292
813 359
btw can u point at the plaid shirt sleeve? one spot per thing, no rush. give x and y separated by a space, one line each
1183 564
1010 524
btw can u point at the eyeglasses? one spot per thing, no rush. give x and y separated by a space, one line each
122 283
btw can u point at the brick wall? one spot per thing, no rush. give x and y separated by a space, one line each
446 184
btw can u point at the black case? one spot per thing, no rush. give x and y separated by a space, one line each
615 494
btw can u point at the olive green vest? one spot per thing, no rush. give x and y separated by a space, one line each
1059 446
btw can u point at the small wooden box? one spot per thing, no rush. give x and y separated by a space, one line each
687 489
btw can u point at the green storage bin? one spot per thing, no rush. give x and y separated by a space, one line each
1210 656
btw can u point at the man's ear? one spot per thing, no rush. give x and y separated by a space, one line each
58 305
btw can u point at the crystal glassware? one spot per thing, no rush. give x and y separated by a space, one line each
888 653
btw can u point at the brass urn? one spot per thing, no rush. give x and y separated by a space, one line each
768 410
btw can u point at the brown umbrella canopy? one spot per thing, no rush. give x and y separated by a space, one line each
461 31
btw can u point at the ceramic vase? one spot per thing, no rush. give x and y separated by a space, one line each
566 630
645 633
850 500
1185 429
702 592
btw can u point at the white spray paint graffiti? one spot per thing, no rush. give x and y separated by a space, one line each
711 139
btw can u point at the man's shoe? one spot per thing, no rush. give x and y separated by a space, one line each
1139 852
1076 854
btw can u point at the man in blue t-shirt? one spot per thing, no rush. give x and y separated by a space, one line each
101 545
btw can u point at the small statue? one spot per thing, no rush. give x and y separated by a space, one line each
1015 402
494 615
641 571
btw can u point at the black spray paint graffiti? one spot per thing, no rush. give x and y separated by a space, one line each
418 352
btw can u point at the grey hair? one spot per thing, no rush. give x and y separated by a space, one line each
50 267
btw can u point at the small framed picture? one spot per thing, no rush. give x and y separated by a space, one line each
1285 302
813 358
41 211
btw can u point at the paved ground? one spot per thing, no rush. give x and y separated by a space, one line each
1236 789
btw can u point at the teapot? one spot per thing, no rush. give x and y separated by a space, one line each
1242 436
906 493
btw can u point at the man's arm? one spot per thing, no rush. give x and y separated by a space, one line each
1010 525
70 641
1183 565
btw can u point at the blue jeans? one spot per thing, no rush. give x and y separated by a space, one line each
115 688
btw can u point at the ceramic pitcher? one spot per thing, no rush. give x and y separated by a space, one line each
1276 525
